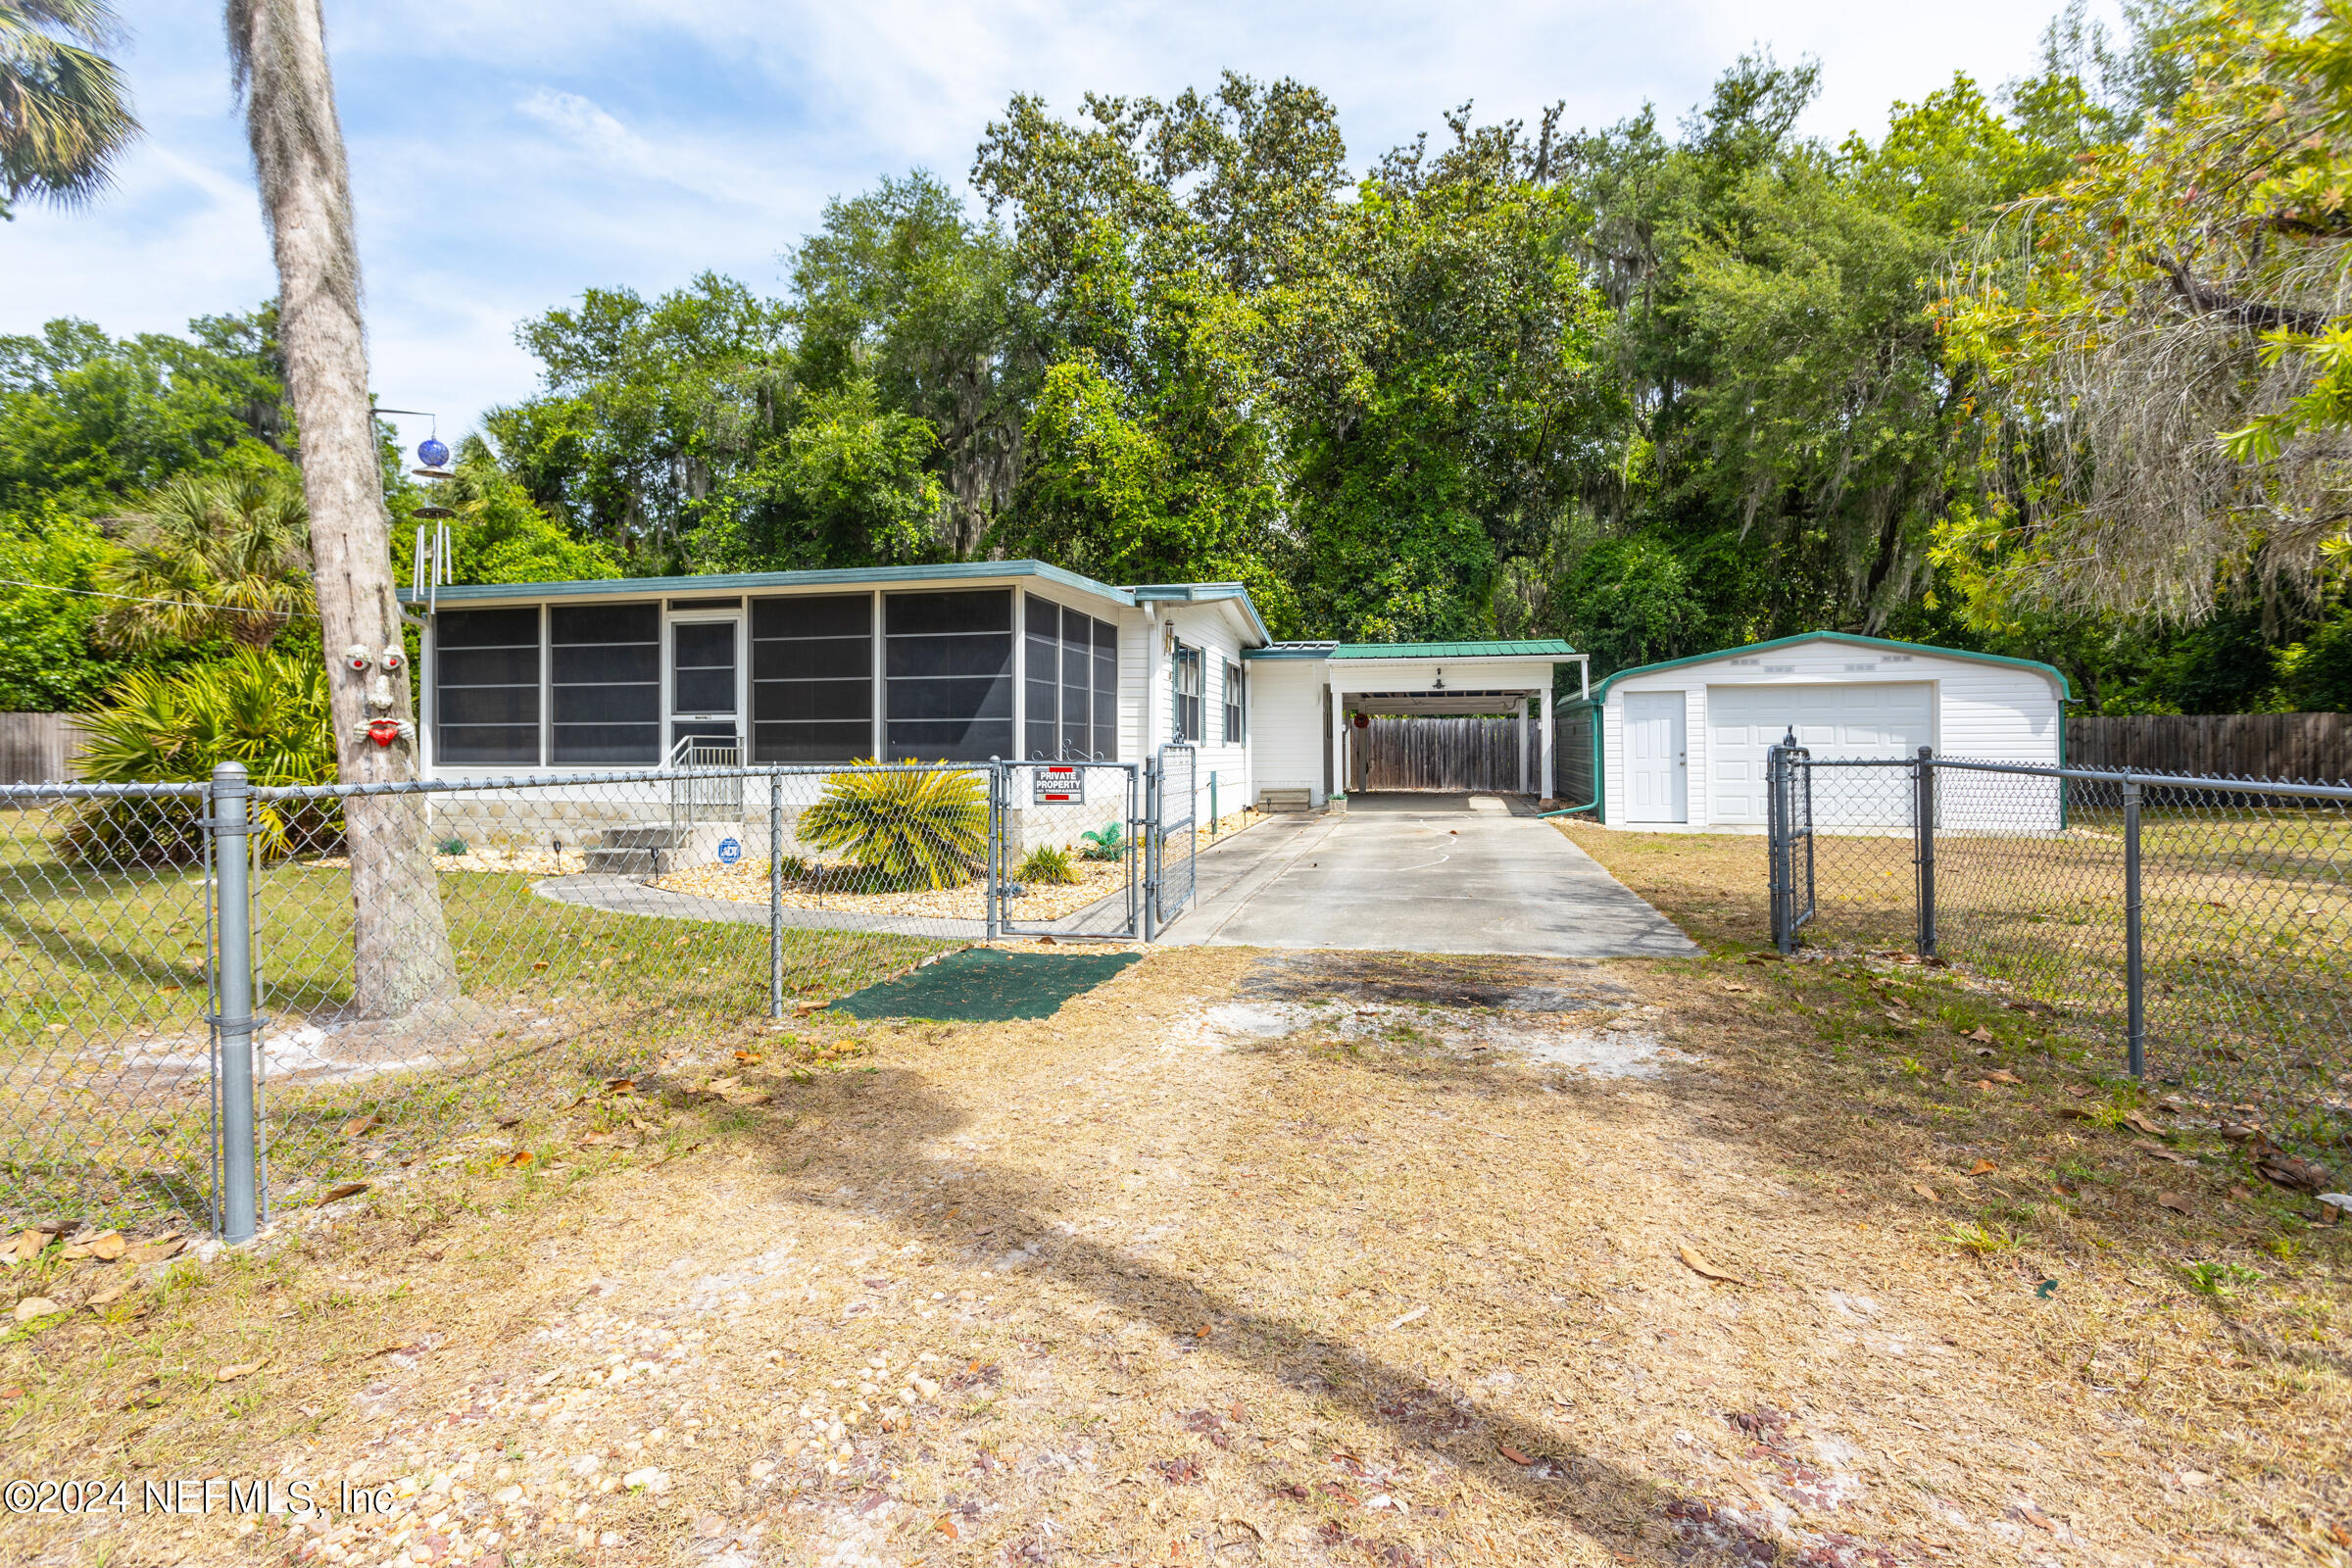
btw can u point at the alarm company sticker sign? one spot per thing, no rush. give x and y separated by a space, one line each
729 852
1058 786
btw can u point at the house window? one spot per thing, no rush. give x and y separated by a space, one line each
486 686
948 659
1071 677
604 672
1233 705
1186 673
812 678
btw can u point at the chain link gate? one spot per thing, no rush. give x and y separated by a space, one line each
1169 880
1091 814
1789 840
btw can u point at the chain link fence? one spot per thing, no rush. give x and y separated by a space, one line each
225 1000
2204 923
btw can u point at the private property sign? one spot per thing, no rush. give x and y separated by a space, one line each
1058 786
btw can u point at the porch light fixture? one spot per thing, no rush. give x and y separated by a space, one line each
1438 680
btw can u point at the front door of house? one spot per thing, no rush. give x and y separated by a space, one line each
1657 774
706 686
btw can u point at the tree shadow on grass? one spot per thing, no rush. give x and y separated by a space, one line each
1000 1213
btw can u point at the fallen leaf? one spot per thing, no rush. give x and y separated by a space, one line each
1204 1331
14 1390
230 1374
2238 1193
2078 1113
1979 1032
341 1191
519 1157
1923 1190
619 1086
1514 1456
33 1307
30 1242
2149 1147
2139 1123
2079 1090
158 1248
1983 1167
111 1293
1700 1266
2295 1175
2004 1077
361 1124
2174 1202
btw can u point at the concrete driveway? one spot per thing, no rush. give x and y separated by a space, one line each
1420 873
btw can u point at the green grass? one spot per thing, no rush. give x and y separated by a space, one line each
100 964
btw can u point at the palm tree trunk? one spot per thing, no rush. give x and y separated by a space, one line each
400 942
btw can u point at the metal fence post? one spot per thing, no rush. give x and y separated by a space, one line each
1151 848
1212 804
1776 847
230 830
2135 1027
1925 830
990 895
775 895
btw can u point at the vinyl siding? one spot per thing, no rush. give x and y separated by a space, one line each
1285 724
1983 712
1209 628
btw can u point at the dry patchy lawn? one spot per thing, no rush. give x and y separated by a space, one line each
1276 1258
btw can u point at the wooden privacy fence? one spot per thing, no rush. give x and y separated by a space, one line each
39 748
1437 754
2310 748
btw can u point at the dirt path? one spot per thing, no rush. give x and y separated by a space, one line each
1242 1257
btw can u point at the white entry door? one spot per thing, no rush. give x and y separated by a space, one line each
1657 770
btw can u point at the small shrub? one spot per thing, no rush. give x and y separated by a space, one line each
453 846
1045 864
914 829
1105 842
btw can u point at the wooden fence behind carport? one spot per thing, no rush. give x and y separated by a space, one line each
39 748
2308 747
1439 754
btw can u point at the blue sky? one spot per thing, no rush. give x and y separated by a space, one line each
506 154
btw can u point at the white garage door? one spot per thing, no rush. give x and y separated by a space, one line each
1867 718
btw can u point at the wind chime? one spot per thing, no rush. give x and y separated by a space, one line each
435 560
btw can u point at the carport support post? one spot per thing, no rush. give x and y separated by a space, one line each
1924 828
231 828
775 895
2136 997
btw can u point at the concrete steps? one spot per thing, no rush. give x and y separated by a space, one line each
638 850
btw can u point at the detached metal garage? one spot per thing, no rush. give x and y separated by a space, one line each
1682 744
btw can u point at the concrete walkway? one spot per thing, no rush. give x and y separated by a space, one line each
1421 873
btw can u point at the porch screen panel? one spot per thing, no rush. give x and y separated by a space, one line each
1077 672
486 686
949 662
1106 690
1042 668
605 670
812 678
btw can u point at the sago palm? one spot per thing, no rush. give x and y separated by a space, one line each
65 114
227 554
912 830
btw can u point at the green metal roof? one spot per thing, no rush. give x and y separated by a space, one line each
2066 691
1528 648
1201 592
738 581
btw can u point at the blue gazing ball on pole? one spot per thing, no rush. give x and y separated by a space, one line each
432 452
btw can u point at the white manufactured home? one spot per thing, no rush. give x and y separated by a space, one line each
1682 744
1014 659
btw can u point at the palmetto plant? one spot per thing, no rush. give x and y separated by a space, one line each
912 829
266 710
64 113
226 554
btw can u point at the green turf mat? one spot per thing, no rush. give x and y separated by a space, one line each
982 985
